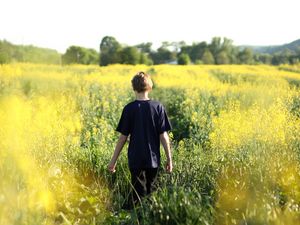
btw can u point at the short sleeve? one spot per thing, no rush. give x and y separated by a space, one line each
124 123
164 123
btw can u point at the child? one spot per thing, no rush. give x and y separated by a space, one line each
147 124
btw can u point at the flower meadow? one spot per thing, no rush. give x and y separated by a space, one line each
235 144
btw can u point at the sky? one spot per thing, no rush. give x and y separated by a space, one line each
58 24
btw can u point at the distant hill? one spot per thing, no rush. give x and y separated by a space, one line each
27 53
293 48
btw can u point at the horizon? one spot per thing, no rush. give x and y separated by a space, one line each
58 25
97 49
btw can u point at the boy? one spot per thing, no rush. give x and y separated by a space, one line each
147 124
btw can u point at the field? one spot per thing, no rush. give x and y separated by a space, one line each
235 142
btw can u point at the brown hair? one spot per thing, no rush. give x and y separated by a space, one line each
141 82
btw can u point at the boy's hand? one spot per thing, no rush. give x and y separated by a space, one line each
169 166
112 167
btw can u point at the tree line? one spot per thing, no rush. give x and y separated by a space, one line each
218 51
27 53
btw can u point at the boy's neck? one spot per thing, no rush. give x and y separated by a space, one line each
142 96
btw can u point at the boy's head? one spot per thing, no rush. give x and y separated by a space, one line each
141 82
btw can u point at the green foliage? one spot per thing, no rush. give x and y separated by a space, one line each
130 55
110 50
144 47
246 56
278 58
207 57
6 50
145 59
222 58
27 53
80 55
218 51
263 58
176 206
184 59
195 51
222 51
162 55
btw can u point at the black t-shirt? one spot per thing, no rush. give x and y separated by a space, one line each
144 121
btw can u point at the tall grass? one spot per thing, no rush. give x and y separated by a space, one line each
235 145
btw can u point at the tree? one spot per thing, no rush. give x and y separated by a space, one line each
263 58
163 55
144 59
278 59
145 50
130 55
5 52
144 47
110 50
27 53
215 46
184 59
187 49
207 57
246 56
93 56
197 51
80 55
72 55
223 50
222 58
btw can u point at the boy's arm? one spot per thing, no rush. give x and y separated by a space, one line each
164 138
119 146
